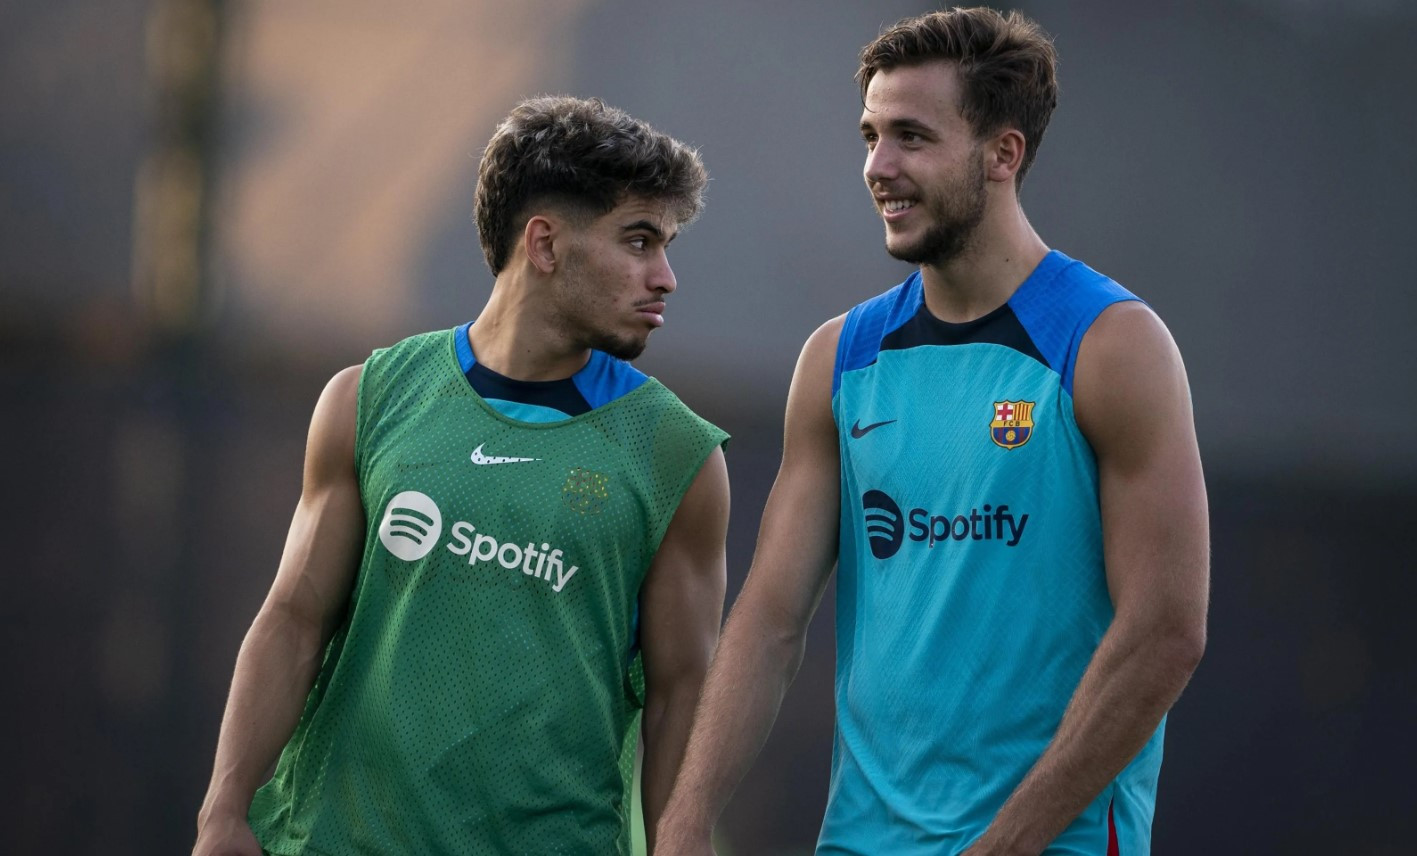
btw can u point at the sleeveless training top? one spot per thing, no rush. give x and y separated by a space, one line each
483 694
971 591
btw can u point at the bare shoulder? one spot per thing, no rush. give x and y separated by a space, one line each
820 348
707 496
330 446
811 381
342 390
1128 328
1130 378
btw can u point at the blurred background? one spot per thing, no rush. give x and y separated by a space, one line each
207 208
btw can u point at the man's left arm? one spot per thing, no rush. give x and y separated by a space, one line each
681 608
1132 402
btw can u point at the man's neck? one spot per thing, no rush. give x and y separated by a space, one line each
1003 251
513 338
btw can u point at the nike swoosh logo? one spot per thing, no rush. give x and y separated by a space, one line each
857 432
481 459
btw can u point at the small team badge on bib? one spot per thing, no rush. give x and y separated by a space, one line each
585 491
1013 423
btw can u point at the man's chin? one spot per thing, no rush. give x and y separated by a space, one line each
622 349
934 249
906 251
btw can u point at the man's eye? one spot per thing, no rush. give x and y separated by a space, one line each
638 243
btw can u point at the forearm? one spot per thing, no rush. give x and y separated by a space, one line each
668 718
741 697
1134 678
274 671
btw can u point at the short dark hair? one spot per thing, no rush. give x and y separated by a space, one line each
1007 67
584 157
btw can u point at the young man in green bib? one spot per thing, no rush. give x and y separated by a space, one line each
509 547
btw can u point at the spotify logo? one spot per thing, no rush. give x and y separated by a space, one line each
884 526
887 529
411 526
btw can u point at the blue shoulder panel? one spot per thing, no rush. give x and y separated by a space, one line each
606 378
1058 303
464 347
600 381
868 323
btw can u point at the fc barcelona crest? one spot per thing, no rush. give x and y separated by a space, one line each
585 491
1013 423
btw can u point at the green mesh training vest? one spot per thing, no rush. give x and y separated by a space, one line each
483 694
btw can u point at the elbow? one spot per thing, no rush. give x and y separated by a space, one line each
781 629
1181 650
785 642
771 628
1168 646
298 630
668 689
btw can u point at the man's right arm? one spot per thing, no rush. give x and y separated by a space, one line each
763 643
281 653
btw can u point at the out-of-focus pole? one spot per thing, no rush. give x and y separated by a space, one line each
173 189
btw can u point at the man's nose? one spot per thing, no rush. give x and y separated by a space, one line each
880 164
662 277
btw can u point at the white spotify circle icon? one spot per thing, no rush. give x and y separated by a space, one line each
411 525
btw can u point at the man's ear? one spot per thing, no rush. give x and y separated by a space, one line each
1004 155
540 240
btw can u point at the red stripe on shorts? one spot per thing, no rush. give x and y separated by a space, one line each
1112 848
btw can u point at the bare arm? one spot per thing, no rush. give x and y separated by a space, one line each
681 609
764 641
281 653
1133 404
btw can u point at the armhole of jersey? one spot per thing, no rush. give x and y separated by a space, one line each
1059 306
843 344
713 437
867 324
1085 324
710 437
360 408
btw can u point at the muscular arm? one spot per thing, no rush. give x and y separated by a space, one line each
762 645
281 653
1132 403
681 607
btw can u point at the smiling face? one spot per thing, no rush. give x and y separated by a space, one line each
609 290
924 164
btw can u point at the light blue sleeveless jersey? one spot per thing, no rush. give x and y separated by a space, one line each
971 593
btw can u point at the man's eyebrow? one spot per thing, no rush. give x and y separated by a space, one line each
648 226
905 124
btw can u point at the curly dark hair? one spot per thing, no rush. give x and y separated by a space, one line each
583 157
1007 67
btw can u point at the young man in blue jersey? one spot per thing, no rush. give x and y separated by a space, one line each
999 456
509 543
